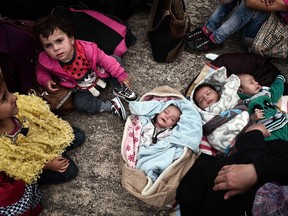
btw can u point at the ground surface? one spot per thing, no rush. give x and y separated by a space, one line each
97 189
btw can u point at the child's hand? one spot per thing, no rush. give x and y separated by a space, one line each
49 86
258 114
126 82
58 164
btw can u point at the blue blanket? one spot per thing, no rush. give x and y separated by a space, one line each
154 159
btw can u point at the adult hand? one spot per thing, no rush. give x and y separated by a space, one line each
267 5
49 86
236 179
268 2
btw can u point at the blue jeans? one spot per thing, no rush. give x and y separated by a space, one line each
242 17
52 177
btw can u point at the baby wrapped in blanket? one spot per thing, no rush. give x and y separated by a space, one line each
185 137
224 116
156 145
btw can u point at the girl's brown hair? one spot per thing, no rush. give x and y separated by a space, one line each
2 81
46 26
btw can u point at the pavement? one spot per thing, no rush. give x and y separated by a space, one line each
97 189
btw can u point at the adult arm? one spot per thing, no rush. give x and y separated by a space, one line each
237 179
267 5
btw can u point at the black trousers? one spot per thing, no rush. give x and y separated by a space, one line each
195 192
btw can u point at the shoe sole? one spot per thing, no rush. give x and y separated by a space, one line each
127 100
199 52
187 40
123 112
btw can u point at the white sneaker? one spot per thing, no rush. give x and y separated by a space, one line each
118 108
211 56
126 93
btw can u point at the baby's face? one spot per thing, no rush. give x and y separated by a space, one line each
249 85
59 46
168 117
206 97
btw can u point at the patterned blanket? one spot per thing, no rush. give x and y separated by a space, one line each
224 120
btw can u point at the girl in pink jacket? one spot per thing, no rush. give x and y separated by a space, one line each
79 65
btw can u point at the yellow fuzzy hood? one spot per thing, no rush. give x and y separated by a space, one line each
47 138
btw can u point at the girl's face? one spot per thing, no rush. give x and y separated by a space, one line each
59 46
8 106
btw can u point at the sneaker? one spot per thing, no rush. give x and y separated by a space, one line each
200 45
195 34
118 108
126 93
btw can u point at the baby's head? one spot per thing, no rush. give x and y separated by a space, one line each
248 84
205 95
57 37
168 118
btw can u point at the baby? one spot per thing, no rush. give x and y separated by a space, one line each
159 132
224 116
205 95
161 125
261 102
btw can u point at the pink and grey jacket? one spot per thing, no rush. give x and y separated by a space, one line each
97 58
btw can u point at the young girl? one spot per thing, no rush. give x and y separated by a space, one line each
33 140
73 61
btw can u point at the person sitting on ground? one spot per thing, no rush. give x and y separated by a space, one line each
73 61
34 141
261 102
219 26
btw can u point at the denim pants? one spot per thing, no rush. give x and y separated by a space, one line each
84 101
242 17
52 177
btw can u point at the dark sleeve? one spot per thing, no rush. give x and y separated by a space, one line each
274 167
